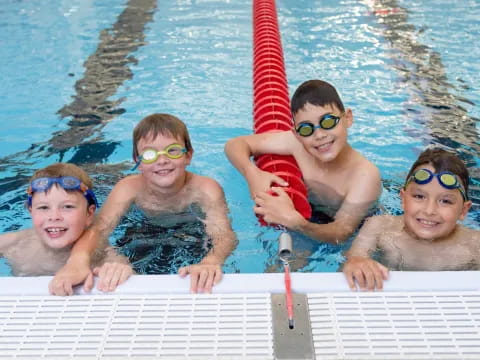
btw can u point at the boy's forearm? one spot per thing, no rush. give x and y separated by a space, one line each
238 153
333 233
220 251
84 248
112 255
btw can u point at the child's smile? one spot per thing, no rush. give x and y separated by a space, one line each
60 217
55 232
165 171
324 144
430 210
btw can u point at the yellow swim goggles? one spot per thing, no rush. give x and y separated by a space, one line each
445 178
149 156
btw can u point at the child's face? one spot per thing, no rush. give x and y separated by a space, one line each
59 217
323 144
431 211
164 172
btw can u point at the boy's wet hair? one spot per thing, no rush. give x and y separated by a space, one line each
63 169
160 124
442 160
315 92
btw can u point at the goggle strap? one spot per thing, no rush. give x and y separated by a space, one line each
137 164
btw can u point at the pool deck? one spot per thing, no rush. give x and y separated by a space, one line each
419 315
261 283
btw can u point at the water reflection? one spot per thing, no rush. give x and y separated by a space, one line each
91 109
445 121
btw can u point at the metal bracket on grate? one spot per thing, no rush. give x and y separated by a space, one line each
296 343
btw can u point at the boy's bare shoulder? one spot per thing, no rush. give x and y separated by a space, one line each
132 181
206 185
362 166
129 185
383 222
363 179
16 239
470 234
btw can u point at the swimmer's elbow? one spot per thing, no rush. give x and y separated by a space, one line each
342 233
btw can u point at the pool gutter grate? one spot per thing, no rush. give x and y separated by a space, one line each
392 325
344 325
161 327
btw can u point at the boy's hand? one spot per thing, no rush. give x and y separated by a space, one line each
112 274
277 208
369 274
261 181
202 276
73 273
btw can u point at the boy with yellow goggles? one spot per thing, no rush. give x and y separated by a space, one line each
149 156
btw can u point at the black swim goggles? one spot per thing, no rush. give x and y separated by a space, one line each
67 182
445 178
327 122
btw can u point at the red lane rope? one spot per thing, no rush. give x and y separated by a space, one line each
271 102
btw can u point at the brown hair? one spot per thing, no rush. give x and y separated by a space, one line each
315 92
442 160
63 169
160 124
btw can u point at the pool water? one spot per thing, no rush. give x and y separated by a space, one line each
78 75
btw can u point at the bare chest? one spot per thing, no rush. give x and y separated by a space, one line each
413 255
33 260
325 188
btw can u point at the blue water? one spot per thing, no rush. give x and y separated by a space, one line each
410 79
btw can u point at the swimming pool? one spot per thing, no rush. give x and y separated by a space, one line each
77 76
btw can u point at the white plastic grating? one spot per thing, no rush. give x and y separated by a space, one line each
227 326
392 325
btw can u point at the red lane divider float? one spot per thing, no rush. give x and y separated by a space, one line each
271 102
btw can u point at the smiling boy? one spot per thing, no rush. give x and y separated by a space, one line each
341 182
164 189
62 205
427 236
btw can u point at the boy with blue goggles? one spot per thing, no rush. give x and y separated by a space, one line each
69 183
445 178
326 122
59 218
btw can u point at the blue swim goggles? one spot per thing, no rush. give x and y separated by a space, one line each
445 178
326 122
66 182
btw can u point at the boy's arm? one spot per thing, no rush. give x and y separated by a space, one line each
359 267
113 270
239 151
77 268
360 198
208 272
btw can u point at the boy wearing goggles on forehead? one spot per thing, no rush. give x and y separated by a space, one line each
427 236
340 181
164 189
62 205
